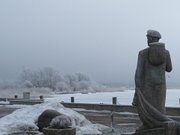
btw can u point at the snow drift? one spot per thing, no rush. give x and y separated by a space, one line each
25 119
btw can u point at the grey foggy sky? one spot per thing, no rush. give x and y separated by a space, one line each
98 37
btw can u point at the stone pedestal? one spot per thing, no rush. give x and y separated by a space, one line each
154 131
66 131
26 95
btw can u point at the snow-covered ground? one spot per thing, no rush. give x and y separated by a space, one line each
124 97
25 118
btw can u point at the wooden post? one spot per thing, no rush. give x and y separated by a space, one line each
41 97
15 96
114 100
72 99
112 121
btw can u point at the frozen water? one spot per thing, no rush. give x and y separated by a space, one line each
123 97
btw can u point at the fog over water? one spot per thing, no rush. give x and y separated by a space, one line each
98 37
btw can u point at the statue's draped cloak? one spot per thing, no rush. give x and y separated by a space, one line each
154 118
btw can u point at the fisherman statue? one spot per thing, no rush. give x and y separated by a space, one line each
150 88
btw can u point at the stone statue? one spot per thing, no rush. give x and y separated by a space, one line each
150 72
150 86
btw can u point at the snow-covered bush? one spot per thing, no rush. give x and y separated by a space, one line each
60 122
62 86
24 119
78 81
28 84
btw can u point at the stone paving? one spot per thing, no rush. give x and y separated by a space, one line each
123 123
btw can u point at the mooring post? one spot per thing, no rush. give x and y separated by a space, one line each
15 96
114 100
112 121
41 97
72 99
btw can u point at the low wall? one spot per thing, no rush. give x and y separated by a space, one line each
172 111
25 101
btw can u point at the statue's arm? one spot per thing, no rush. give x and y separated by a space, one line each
138 77
168 62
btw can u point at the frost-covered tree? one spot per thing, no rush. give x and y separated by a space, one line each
28 84
80 85
82 77
70 78
26 74
78 81
62 86
46 77
84 85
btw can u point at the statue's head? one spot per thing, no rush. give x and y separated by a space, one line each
153 36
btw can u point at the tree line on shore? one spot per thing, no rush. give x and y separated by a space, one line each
49 78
